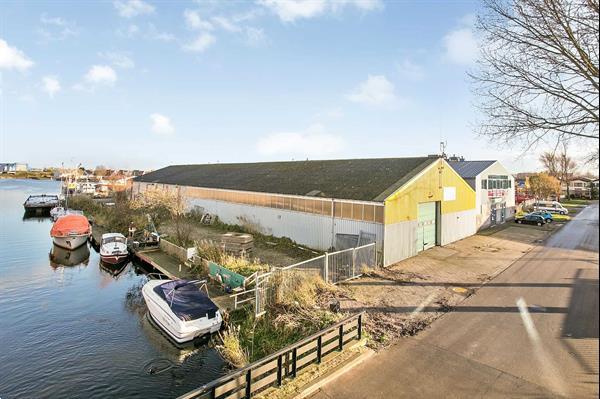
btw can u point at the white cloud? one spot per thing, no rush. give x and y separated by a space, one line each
312 142
226 24
332 113
255 36
133 8
153 33
50 85
161 124
119 60
194 21
101 75
290 10
13 58
57 28
410 70
201 43
460 45
376 90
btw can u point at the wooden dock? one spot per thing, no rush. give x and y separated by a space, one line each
164 263
96 237
174 269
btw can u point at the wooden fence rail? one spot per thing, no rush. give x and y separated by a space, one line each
271 370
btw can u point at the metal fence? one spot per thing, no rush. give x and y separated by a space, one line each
334 268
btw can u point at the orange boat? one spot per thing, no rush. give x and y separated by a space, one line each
71 231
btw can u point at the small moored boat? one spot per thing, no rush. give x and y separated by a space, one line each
71 231
59 211
181 309
113 248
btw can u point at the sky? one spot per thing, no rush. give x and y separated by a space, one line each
143 84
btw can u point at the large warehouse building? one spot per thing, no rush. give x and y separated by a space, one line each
406 205
495 188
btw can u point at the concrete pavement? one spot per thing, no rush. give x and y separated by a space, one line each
533 331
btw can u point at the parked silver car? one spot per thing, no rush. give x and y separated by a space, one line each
550 206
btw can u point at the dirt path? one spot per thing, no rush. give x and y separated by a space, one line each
406 297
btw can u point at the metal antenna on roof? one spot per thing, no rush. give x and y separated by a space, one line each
443 145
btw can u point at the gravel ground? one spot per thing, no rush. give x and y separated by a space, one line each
405 298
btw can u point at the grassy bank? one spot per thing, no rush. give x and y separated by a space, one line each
116 218
300 307
38 175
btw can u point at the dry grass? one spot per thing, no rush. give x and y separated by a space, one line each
231 349
299 308
237 264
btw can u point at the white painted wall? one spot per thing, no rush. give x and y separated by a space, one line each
483 202
314 231
400 241
458 225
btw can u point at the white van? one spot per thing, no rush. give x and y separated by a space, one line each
550 206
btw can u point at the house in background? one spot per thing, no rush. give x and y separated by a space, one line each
404 205
495 188
578 187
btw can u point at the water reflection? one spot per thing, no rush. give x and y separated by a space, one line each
114 270
76 330
28 217
64 257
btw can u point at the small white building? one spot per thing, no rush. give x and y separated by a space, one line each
494 187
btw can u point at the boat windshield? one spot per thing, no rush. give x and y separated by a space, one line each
109 240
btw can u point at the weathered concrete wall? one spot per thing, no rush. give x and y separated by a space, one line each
183 254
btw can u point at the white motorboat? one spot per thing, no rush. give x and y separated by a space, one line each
71 231
113 248
181 309
59 211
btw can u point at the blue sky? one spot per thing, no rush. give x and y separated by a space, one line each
143 84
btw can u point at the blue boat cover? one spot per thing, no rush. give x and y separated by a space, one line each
186 300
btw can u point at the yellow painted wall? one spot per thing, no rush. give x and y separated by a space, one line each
402 205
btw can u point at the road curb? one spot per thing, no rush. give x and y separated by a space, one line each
368 353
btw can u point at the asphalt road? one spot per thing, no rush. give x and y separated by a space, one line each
532 332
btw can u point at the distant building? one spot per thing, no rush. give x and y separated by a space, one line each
495 188
579 187
405 205
13 167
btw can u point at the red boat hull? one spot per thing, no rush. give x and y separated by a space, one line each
114 259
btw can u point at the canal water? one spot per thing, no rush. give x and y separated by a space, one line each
78 331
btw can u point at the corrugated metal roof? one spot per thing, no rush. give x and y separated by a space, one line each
355 179
470 169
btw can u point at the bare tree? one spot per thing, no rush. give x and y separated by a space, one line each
550 161
537 76
566 167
